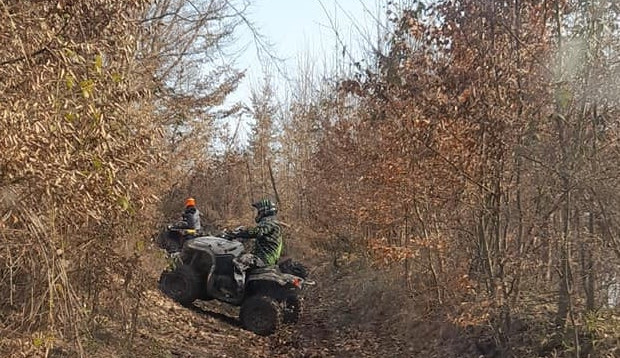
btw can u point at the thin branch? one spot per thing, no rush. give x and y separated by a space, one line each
262 45
516 38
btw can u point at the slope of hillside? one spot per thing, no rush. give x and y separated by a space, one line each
351 312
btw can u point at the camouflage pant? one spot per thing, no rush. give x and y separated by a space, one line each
244 263
247 261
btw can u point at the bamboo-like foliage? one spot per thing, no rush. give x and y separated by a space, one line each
75 118
91 116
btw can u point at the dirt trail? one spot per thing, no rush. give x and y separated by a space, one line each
209 330
330 326
347 314
212 329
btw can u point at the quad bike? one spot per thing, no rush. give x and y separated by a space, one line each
269 296
174 237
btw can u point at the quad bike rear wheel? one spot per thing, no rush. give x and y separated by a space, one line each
293 308
182 284
261 315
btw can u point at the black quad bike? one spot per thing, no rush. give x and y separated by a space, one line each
205 270
173 237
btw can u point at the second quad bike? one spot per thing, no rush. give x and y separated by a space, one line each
173 237
268 296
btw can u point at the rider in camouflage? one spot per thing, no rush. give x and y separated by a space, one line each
268 235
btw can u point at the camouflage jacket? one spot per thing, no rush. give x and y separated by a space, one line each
268 235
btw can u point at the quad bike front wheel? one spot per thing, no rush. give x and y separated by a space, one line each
261 315
181 284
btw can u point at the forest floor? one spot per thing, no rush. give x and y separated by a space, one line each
212 329
338 321
165 329
350 312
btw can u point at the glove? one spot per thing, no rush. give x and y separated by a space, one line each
229 235
239 232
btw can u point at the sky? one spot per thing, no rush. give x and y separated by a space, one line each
298 29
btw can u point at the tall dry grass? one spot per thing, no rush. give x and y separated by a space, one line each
80 137
100 114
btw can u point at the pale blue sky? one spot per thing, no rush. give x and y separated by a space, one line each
302 28
300 31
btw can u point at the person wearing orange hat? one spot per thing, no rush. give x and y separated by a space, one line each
191 215
175 236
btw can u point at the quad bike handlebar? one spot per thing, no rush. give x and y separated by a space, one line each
232 235
181 231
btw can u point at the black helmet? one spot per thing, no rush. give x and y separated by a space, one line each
264 207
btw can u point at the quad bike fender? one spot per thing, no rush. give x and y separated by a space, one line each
288 265
216 245
273 281
205 262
